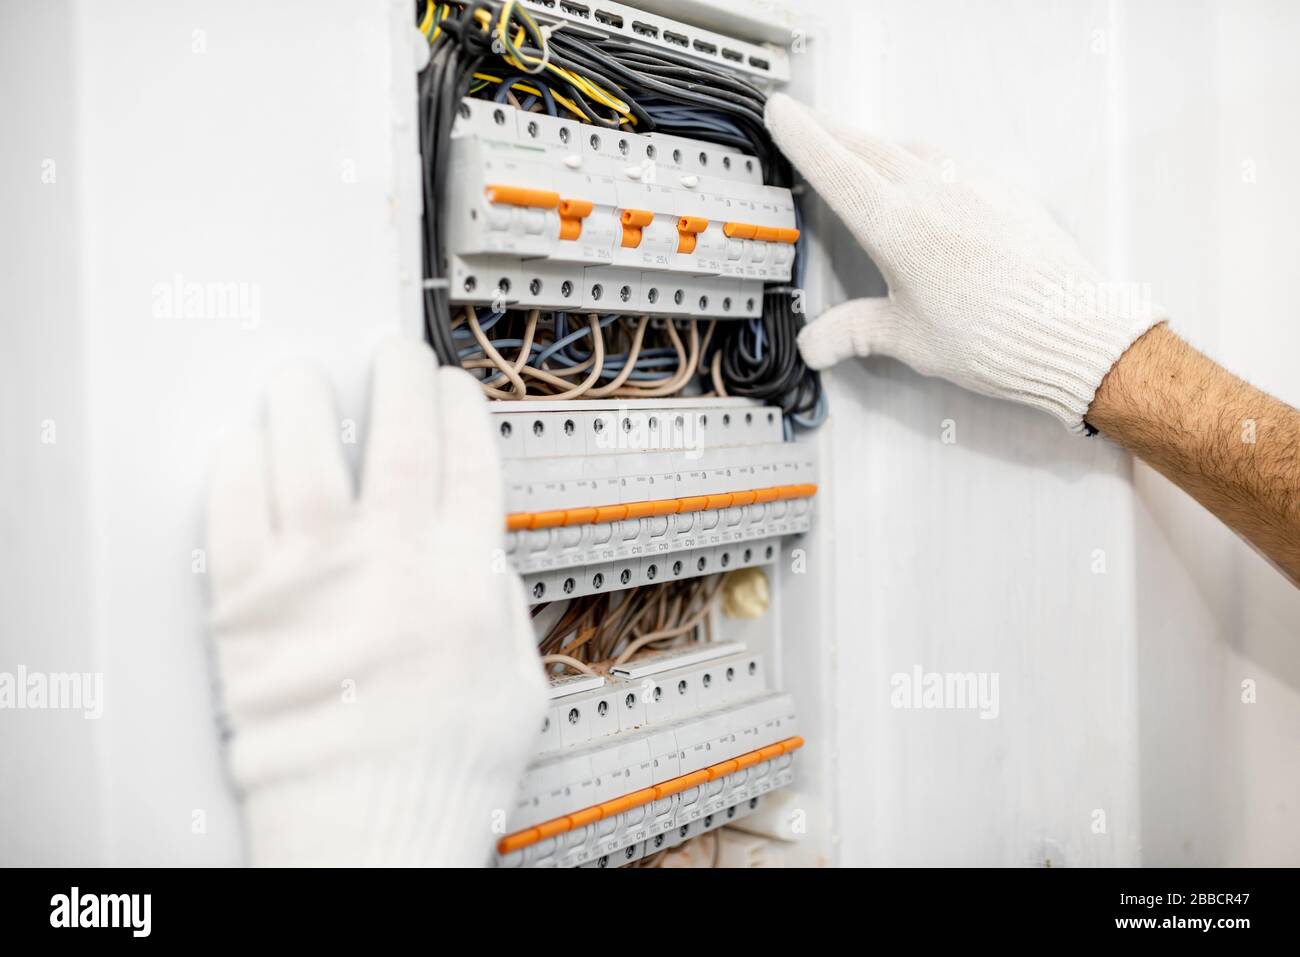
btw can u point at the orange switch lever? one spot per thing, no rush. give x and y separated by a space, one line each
688 227
572 213
522 196
634 220
739 230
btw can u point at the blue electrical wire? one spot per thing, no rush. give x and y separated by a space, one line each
566 341
464 332
509 81
682 117
816 417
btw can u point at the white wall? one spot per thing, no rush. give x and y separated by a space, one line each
1215 232
225 143
50 787
1120 691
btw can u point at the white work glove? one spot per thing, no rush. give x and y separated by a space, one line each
381 685
985 290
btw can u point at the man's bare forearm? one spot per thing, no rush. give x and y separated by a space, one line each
1233 448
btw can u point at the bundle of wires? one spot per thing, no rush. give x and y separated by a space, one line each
497 50
592 356
599 631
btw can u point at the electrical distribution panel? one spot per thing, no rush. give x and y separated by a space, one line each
553 214
662 749
602 496
545 219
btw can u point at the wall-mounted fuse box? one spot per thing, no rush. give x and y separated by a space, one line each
554 214
602 496
661 749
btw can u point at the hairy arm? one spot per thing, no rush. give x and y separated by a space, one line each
1233 448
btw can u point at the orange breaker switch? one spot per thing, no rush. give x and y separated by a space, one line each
634 220
688 227
608 810
572 213
522 196
534 521
739 230
765 234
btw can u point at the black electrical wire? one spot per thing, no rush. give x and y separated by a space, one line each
759 358
454 56
640 70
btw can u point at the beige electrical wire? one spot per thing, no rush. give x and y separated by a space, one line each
716 373
594 628
633 352
710 594
550 377
708 336
490 351
686 626
525 350
597 363
684 374
569 390
557 376
574 663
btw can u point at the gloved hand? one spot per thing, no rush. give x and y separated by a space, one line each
381 685
985 290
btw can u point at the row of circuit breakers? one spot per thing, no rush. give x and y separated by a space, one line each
554 214
663 749
602 496
551 214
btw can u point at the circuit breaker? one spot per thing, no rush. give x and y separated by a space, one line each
550 213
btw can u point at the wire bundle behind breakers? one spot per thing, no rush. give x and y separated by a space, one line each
609 629
569 357
497 51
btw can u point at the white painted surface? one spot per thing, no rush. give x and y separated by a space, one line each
52 778
217 142
1216 233
1118 691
